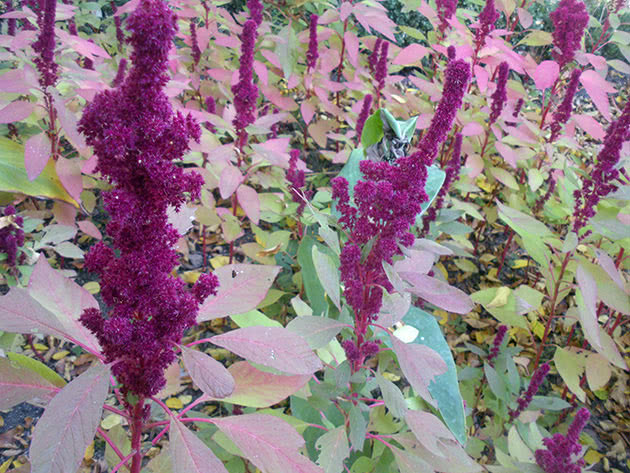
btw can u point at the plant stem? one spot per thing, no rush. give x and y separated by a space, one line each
136 425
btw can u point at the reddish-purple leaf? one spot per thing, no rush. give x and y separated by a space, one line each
589 125
69 126
189 453
308 110
352 46
89 228
249 201
230 179
345 10
420 364
509 155
268 442
525 18
16 111
439 293
412 54
608 265
472 129
14 82
241 288
546 74
276 347
261 72
65 299
207 373
587 304
255 388
429 429
69 172
317 331
36 155
19 384
597 88
69 423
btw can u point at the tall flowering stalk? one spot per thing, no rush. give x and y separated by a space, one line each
562 452
196 52
487 18
373 57
312 54
363 116
569 20
601 180
255 11
245 91
136 136
386 204
499 97
44 46
120 36
11 22
445 10
11 235
496 344
563 112
534 385
120 73
380 73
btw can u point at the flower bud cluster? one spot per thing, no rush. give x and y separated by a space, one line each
312 54
11 235
569 20
532 389
562 454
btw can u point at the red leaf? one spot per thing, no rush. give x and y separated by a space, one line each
207 373
69 172
36 155
241 288
69 423
275 347
89 228
190 454
16 111
230 179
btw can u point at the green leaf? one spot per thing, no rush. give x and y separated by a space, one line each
334 449
537 38
358 428
444 388
328 275
253 318
496 383
570 366
13 175
435 181
504 309
408 128
38 367
372 131
391 121
314 289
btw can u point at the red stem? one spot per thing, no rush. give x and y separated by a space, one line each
136 425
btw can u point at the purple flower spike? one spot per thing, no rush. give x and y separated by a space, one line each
136 136
373 58
312 54
532 389
499 97
12 22
120 74
363 115
245 91
451 52
45 45
496 344
381 66
601 181
196 52
562 454
569 19
487 18
11 236
445 10
298 182
120 36
563 112
255 11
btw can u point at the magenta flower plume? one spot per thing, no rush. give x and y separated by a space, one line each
245 91
381 67
451 53
255 11
136 136
363 115
456 81
120 36
487 18
532 389
496 344
297 181
538 205
312 53
563 112
373 58
499 97
196 52
601 181
72 26
569 20
11 22
445 10
211 107
452 173
11 235
45 45
563 452
120 73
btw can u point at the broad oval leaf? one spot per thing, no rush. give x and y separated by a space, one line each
428 429
230 179
546 74
19 383
241 288
334 449
16 111
276 347
268 442
207 373
256 388
69 423
317 331
439 293
328 275
189 454
36 155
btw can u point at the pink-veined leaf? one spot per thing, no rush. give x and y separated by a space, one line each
308 110
255 388
18 383
546 74
69 125
207 373
316 330
69 172
69 423
472 129
65 299
36 155
241 288
230 179
408 463
14 82
608 265
420 364
127 7
394 307
189 454
275 347
16 111
586 299
455 459
428 429
261 72
268 442
597 88
507 153
482 78
589 125
439 293
352 46
412 54
598 62
249 201
525 18
334 449
345 10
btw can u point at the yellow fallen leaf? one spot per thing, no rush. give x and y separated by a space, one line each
190 277
186 399
40 347
538 329
269 251
481 336
110 421
174 403
501 297
89 452
492 275
219 261
443 316
520 263
5 466
92 287
60 354
592 456
391 377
